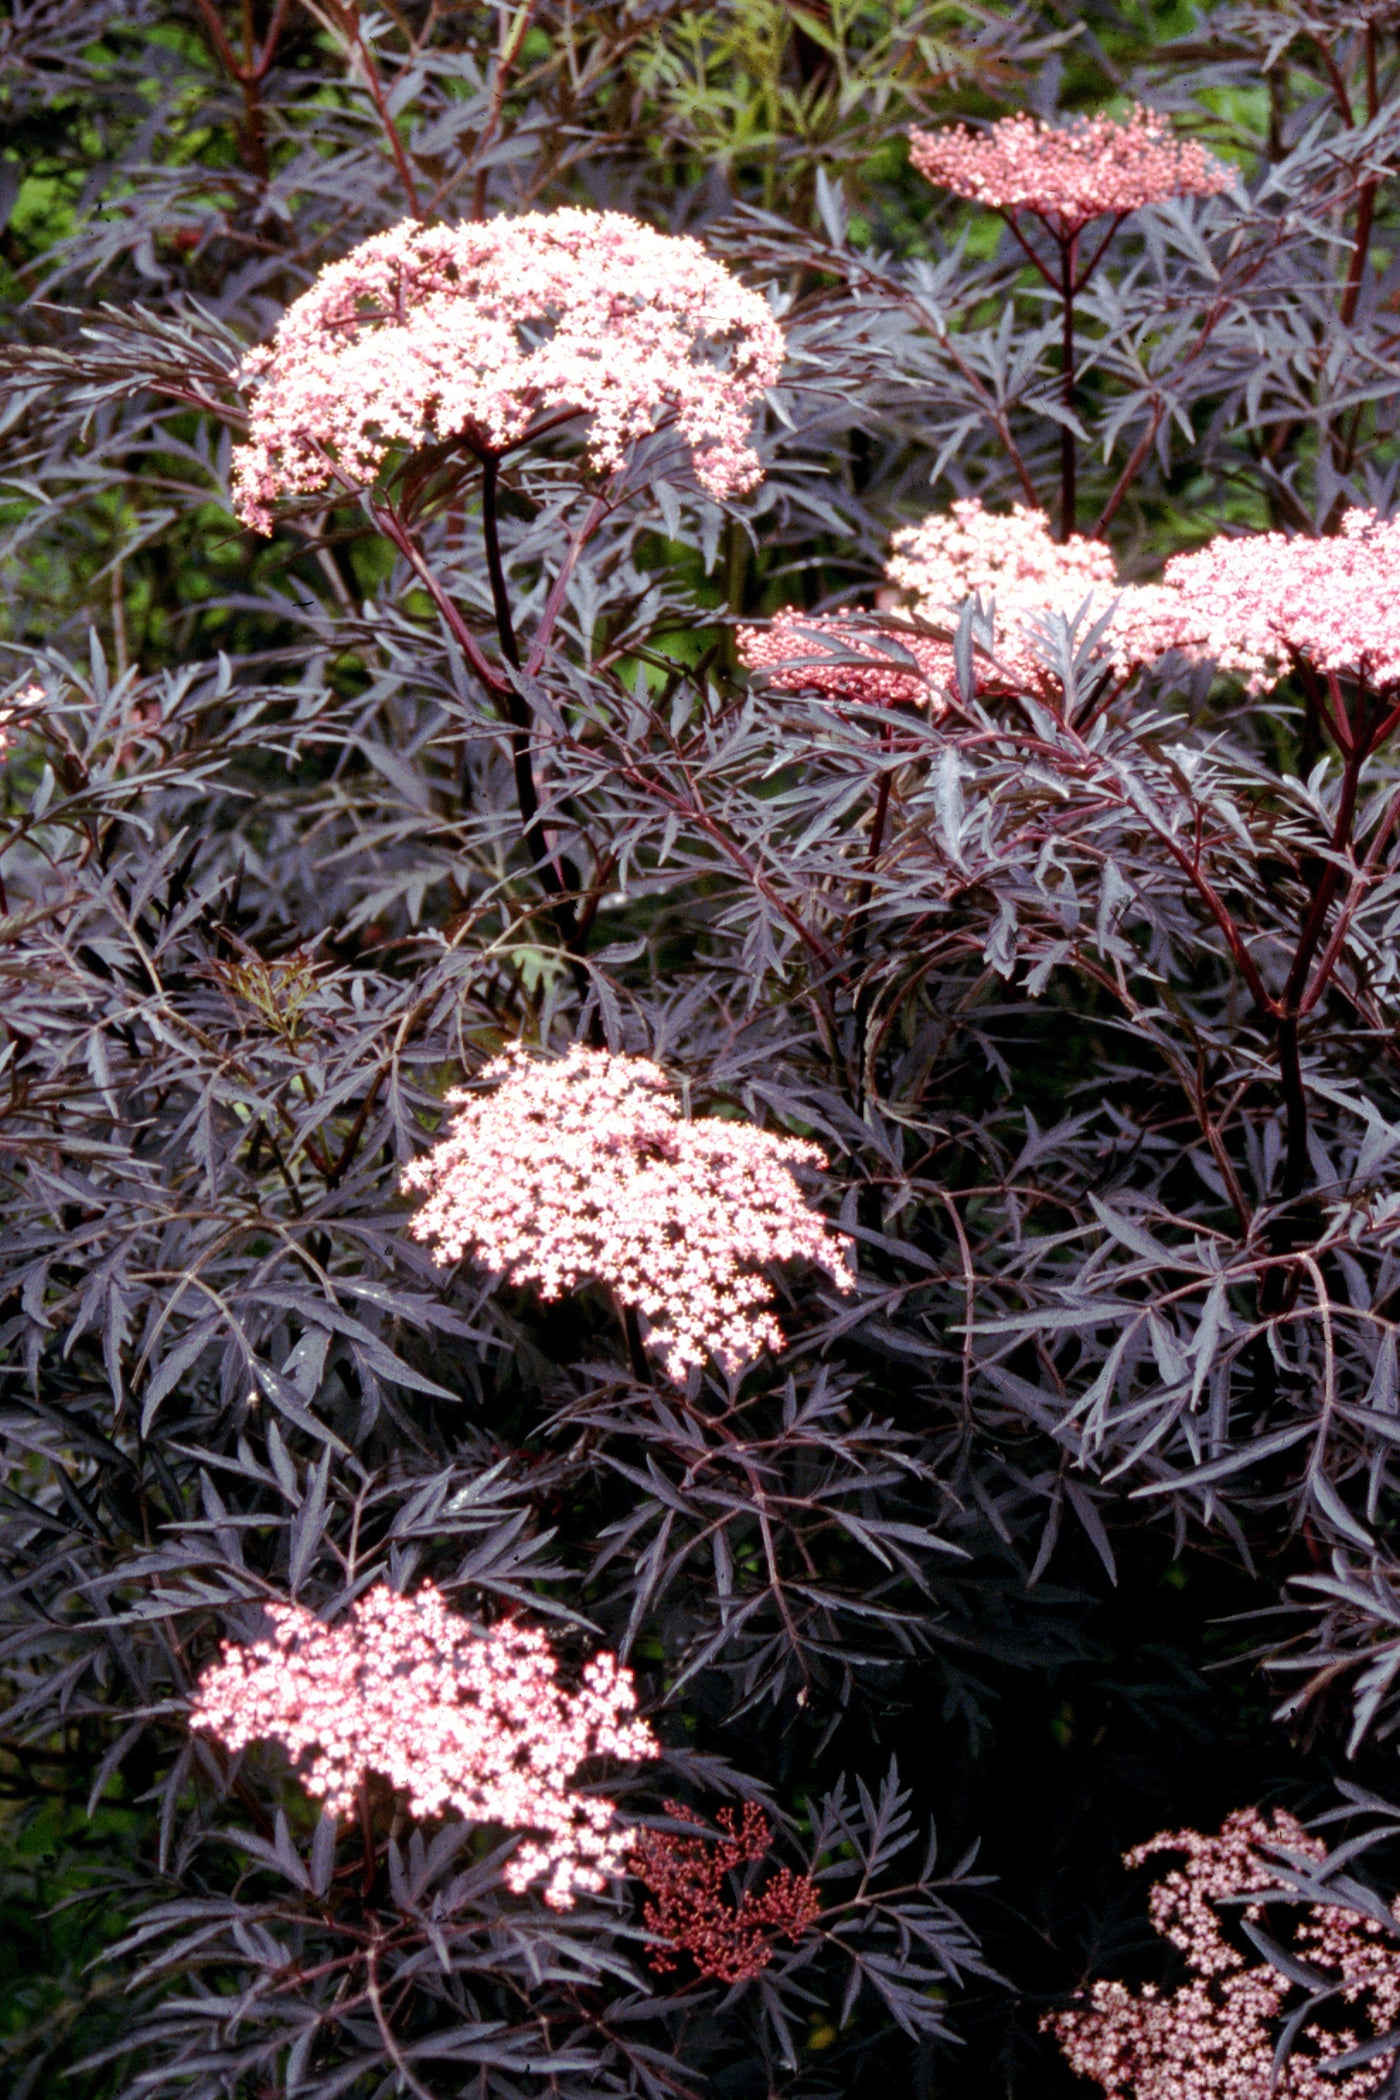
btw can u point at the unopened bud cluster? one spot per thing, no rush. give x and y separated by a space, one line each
1069 173
690 1909
843 657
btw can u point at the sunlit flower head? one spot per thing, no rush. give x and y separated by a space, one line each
583 1170
456 1718
427 333
1013 553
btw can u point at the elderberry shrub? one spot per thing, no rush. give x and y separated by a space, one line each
698 1044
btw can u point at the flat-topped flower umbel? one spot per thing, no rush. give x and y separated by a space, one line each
1011 553
476 1722
1014 558
427 333
1266 603
1068 174
1213 2037
1065 176
583 1170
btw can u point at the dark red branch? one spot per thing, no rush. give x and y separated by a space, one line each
1068 250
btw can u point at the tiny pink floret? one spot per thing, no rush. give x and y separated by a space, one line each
1213 2037
427 333
1068 174
583 1170
459 1720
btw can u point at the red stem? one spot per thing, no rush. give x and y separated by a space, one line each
1223 303
1036 261
930 318
386 522
1328 880
1068 251
553 603
1356 272
1098 255
349 19
861 926
249 72
1327 961
1291 1005
509 51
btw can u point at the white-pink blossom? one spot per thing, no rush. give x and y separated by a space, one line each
583 1170
1258 604
1213 2038
1014 558
1069 173
426 333
456 1718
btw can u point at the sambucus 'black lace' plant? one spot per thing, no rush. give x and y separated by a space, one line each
373 707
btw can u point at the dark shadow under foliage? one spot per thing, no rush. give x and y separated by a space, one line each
1076 1521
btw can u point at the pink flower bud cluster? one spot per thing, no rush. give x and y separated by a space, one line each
583 1170
689 1906
427 333
1069 173
1259 604
1214 2037
458 1719
844 658
1015 559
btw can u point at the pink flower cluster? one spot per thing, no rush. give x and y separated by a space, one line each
433 332
947 558
1214 2037
459 1719
845 658
584 1170
1069 173
1016 559
689 1906
1257 605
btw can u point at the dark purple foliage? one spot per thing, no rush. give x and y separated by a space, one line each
1124 1205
